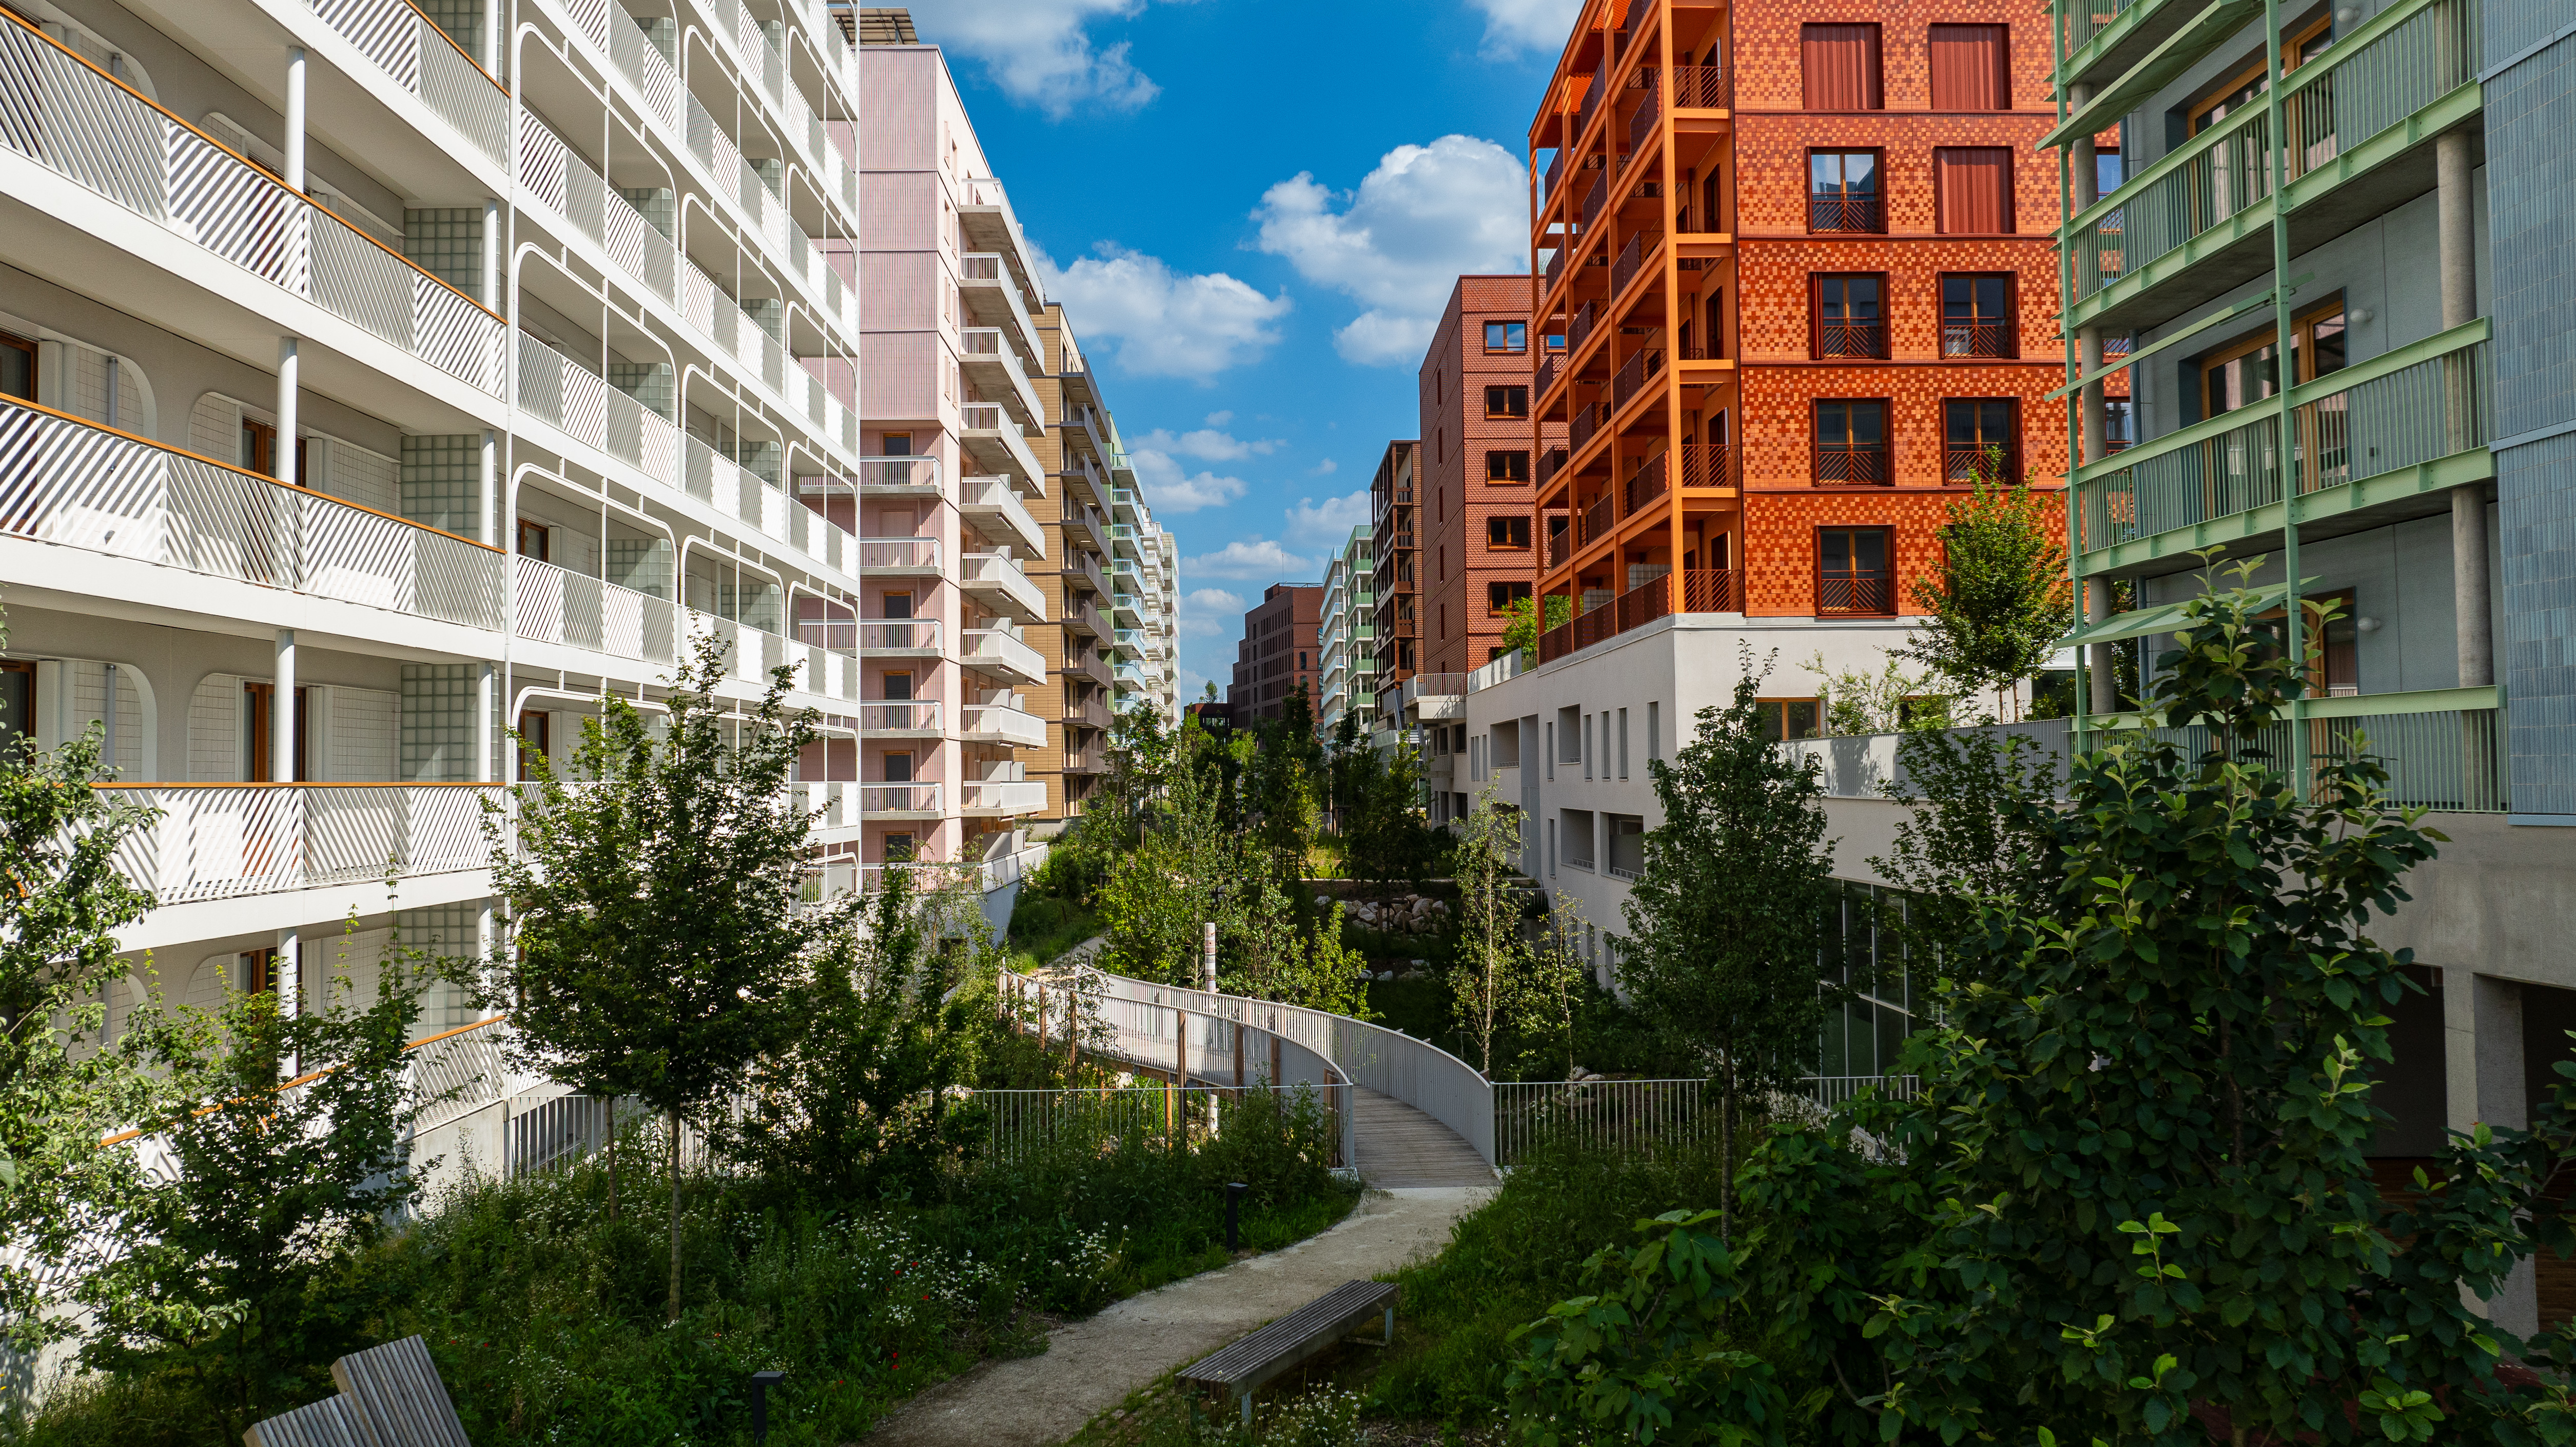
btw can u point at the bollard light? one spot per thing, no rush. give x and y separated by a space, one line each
1234 1215
761 1382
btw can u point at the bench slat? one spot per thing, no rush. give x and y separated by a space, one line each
396 1393
1283 1344
326 1423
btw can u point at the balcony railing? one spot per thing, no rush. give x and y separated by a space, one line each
996 723
1003 796
1598 518
1996 464
915 635
68 482
1641 248
913 798
991 503
1699 87
920 715
997 573
1849 465
2394 413
418 57
1634 374
1978 339
223 841
1709 464
889 554
899 477
1650 484
1593 198
559 606
72 119
1851 339
993 647
1648 110
1549 462
1587 420
1845 213
1864 595
2330 106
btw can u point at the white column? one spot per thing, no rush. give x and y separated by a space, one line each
286 976
283 468
2473 619
281 722
492 254
487 685
487 492
295 117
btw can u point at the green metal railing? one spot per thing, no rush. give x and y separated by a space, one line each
2405 59
2399 411
2443 748
2084 19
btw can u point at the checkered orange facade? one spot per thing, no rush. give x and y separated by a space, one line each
1721 406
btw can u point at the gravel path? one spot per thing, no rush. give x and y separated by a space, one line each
1090 1366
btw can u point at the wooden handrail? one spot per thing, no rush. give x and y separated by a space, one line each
308 1077
321 784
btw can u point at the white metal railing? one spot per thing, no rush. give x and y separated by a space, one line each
221 841
887 635
881 554
559 606
997 723
990 874
891 716
991 499
913 798
992 645
900 474
997 570
1004 796
418 57
65 481
75 121
833 805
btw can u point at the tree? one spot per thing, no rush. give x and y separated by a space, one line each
655 903
1284 784
2000 599
1722 920
242 1271
61 1092
1385 838
1492 951
1886 702
1964 837
1269 949
1521 627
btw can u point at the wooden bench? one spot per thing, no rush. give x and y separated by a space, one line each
390 1396
1289 1342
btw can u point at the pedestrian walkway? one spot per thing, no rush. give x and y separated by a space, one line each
1092 1365
1401 1147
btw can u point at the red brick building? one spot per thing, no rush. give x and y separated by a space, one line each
1277 654
1476 551
1800 256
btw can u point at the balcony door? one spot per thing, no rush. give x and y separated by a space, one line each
1980 441
17 367
1851 442
1851 320
1842 192
259 451
1977 317
259 719
1855 571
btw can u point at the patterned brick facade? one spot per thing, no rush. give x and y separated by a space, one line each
1458 564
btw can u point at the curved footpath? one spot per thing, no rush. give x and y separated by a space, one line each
1422 1177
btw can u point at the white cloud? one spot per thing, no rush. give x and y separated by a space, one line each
1426 215
1328 522
1512 26
1325 468
1168 324
1250 559
1040 52
1210 613
1219 419
1170 489
1208 444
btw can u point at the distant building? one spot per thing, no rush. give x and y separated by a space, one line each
1397 548
1348 636
1279 653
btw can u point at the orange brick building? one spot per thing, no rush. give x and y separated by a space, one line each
1476 544
1793 269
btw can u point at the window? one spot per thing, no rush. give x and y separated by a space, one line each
17 367
1507 401
1972 190
898 768
2248 369
1977 317
1627 845
17 701
1842 192
1971 68
1499 598
536 741
1578 838
1854 571
898 688
1840 67
259 450
897 605
1849 320
533 540
899 848
259 708
2246 86
1623 743
1554 341
1980 440
1507 466
1851 442
2118 427
1507 532
1788 718
1587 746
1654 731
1507 337
896 444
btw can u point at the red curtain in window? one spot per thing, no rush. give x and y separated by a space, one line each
1970 69
1974 190
1841 63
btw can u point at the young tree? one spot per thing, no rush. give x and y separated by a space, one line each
655 903
1521 628
1492 950
2000 599
241 1272
1267 948
1722 921
1886 702
60 1092
1965 837
1385 838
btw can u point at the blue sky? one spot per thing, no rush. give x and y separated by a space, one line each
1253 210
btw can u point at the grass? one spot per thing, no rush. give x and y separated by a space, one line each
1043 927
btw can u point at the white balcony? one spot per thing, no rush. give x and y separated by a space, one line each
1004 798
912 718
900 477
911 557
906 638
1128 609
1002 587
993 723
833 805
1123 501
1122 542
558 606
990 650
992 297
223 841
990 504
900 801
984 215
997 444
80 486
999 375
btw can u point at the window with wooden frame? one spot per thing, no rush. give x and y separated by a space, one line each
1499 597
1843 192
1506 337
2248 369
1851 442
259 706
1981 440
1839 68
1510 533
2333 652
17 702
1510 401
1977 316
1790 718
2245 86
259 451
536 741
1971 67
17 367
1856 572
1848 315
536 540
1972 190
1504 465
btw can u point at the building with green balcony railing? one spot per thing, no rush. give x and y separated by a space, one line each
2317 311
1348 636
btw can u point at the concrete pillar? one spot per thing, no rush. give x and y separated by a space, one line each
487 685
2103 681
487 492
2472 608
2483 1084
295 117
283 468
281 723
492 253
2095 417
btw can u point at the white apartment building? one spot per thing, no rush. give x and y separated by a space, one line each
1348 636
